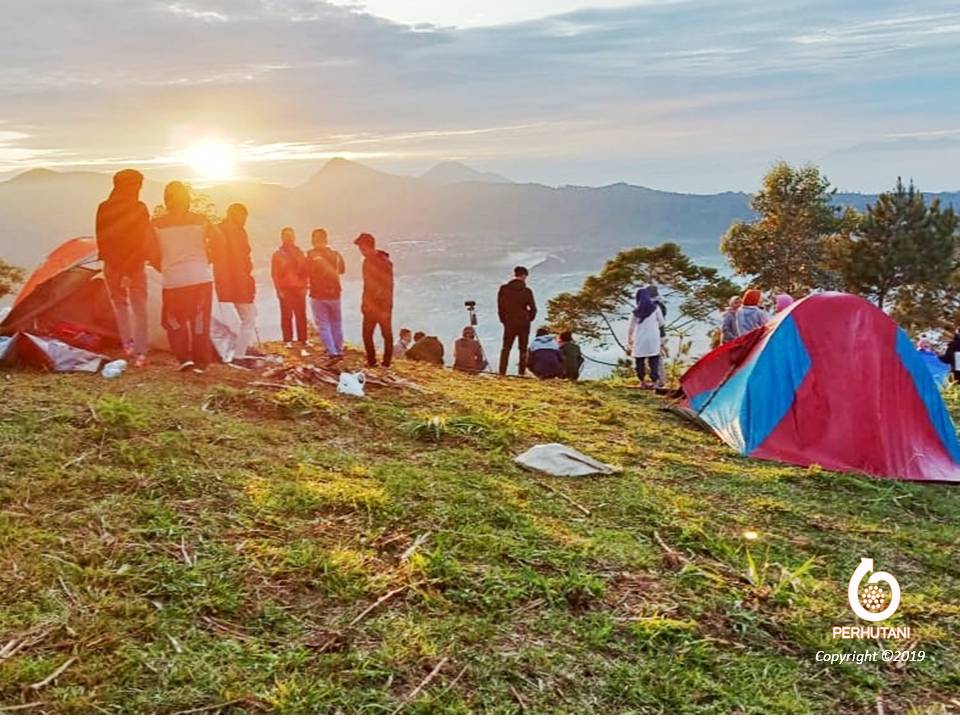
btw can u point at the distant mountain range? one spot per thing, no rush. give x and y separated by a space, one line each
450 218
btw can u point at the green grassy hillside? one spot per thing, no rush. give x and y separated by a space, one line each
176 542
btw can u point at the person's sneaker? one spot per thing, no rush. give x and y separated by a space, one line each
140 361
187 365
199 370
288 346
128 351
373 364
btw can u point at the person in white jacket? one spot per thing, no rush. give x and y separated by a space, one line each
643 339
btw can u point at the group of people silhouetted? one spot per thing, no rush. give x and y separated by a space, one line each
197 258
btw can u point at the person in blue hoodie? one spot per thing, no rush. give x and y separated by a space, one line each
545 359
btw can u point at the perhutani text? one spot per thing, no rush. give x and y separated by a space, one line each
872 632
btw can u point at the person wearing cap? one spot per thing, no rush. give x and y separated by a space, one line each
125 240
468 355
376 305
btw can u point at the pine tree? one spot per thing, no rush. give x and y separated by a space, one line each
901 250
784 249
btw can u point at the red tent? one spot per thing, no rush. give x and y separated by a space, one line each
831 381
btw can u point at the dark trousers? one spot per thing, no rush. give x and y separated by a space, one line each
654 363
293 306
520 334
371 320
186 318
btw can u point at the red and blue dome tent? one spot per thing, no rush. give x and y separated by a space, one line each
831 381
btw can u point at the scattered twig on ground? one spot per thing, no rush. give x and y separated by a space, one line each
377 603
55 674
674 558
207 708
519 697
562 494
78 459
24 706
175 644
408 553
423 683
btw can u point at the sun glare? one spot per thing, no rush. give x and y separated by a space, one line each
212 160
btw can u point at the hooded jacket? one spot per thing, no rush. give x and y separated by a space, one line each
125 236
572 360
545 359
468 355
232 267
515 304
377 284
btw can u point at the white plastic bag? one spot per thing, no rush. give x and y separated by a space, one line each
114 369
351 384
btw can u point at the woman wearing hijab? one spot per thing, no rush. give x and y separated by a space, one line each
643 338
782 302
750 315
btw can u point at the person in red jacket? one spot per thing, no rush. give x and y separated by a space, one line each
233 274
125 241
377 303
289 270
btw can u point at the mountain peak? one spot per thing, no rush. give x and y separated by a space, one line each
452 171
339 168
34 174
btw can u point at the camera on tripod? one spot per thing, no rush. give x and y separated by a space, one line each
471 306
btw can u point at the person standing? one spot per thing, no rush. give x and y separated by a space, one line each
517 310
376 305
183 260
751 316
643 339
324 268
233 275
728 321
288 268
124 241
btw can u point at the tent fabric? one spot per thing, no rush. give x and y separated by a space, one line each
938 369
66 298
832 381
562 461
26 350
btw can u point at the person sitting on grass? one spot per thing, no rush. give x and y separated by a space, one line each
951 356
404 342
544 359
572 357
426 348
468 355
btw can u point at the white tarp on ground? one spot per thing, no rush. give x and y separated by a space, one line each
24 349
562 461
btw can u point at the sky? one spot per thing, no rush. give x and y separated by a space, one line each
685 95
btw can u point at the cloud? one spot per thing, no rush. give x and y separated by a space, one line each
621 90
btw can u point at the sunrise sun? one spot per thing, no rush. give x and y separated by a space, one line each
212 159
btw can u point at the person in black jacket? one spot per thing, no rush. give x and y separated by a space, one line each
950 356
517 310
125 241
377 303
425 348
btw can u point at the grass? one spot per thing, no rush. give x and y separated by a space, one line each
195 542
